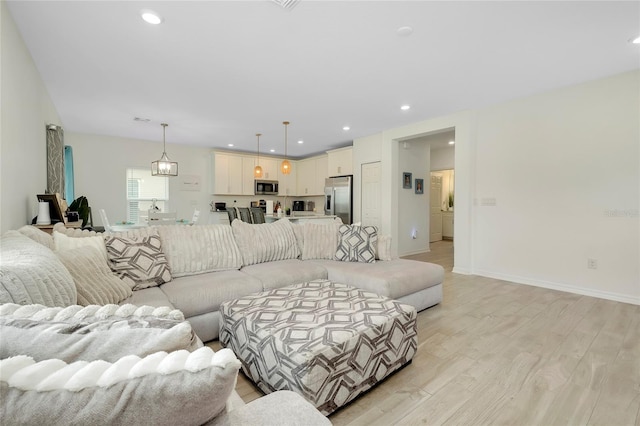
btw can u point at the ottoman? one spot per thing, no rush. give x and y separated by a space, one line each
329 342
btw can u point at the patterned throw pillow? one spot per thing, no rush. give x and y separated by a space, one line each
138 261
357 243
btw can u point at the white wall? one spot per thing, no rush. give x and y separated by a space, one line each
413 209
100 164
443 158
564 170
367 150
26 109
557 163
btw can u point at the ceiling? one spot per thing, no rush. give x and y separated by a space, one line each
221 71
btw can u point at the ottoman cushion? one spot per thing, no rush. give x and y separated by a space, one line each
328 342
282 273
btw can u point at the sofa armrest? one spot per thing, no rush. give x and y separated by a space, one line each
282 408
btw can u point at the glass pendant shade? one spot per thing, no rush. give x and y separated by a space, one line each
285 166
164 166
257 170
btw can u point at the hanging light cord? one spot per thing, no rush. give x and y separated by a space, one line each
164 141
258 135
286 124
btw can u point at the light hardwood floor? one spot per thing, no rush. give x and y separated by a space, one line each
498 353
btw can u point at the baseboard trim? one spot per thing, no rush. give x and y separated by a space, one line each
462 271
616 297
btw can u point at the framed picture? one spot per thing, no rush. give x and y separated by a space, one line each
406 180
419 186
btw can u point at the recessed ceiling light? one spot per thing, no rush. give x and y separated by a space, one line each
405 107
272 150
151 17
230 144
635 40
345 128
404 31
300 141
452 142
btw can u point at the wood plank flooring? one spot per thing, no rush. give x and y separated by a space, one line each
498 353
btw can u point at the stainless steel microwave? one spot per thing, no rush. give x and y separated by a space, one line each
266 187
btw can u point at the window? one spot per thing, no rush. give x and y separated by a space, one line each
142 190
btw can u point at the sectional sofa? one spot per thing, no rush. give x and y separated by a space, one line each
149 298
208 265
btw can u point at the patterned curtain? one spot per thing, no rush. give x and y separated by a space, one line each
55 160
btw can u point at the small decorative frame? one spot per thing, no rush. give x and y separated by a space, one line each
419 186
55 209
406 180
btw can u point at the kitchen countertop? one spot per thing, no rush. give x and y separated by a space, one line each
295 218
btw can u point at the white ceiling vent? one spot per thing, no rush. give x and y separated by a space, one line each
286 4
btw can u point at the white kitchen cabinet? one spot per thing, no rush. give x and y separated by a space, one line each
270 168
288 185
311 175
340 161
227 174
248 178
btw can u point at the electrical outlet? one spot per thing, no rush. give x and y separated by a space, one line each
592 263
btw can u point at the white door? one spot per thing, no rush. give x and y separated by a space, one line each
371 202
435 201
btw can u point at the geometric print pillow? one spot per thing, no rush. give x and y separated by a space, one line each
357 243
138 261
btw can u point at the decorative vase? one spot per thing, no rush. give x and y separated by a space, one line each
44 216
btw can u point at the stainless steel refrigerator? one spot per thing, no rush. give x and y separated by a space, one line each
338 198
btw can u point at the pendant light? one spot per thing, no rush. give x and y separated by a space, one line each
257 171
285 166
164 166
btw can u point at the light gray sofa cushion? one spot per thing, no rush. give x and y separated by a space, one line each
179 388
106 332
394 278
197 249
199 294
32 273
151 296
285 272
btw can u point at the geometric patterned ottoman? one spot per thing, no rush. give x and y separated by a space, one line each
328 342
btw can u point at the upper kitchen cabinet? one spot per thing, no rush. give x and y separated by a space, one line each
288 184
311 175
340 161
227 174
270 168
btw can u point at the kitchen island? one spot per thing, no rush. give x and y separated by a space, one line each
301 218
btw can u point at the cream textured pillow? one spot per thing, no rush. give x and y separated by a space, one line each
138 261
320 240
37 235
160 389
357 244
197 249
266 242
32 273
95 282
383 248
93 332
63 242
